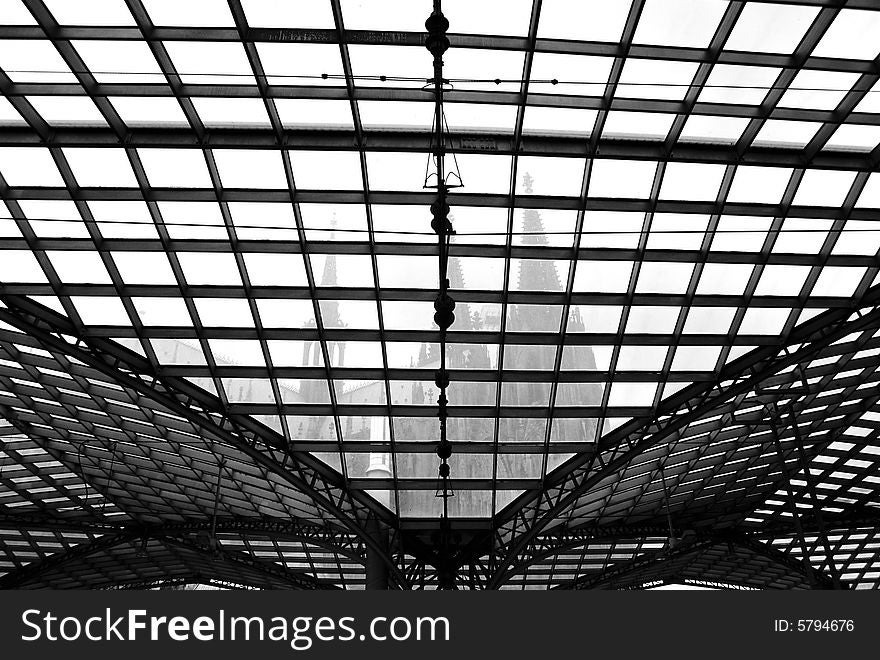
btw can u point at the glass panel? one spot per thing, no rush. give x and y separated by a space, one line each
587 21
243 168
224 312
576 75
770 28
175 168
850 36
326 170
675 23
622 178
210 62
671 79
29 166
652 319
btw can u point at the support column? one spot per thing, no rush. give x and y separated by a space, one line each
377 567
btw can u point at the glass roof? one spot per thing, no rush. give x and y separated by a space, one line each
235 192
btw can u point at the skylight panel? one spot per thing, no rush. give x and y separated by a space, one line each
206 13
399 114
839 281
641 358
119 61
108 167
695 358
764 321
664 228
286 313
396 15
655 79
301 63
263 220
8 113
577 75
79 266
233 112
823 188
550 176
193 220
29 166
243 352
632 394
820 90
583 21
712 128
403 66
870 196
724 279
224 312
792 134
209 268
359 354
67 110
709 320
323 113
321 221
595 319
622 178
33 60
612 229
801 235
123 219
397 271
852 35
505 17
858 237
162 311
856 137
326 170
483 226
664 277
13 12
642 125
144 268
679 22
691 181
740 233
388 219
303 14
544 227
738 84
271 269
175 168
760 185
54 218
651 319
20 266
100 310
602 276
246 168
149 110
334 270
484 173
478 68
782 280
770 28
210 62
93 12
543 120
480 117
355 314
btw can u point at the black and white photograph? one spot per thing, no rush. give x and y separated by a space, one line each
437 295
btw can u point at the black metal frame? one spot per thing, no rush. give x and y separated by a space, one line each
124 432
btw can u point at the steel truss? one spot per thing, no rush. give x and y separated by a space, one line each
534 512
351 509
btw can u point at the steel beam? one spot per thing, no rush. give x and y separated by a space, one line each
528 515
354 510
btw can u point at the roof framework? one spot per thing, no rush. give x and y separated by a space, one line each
217 275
